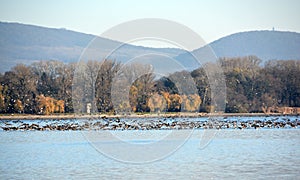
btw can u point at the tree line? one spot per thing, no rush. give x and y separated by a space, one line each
46 87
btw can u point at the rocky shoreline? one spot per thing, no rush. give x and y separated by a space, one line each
170 123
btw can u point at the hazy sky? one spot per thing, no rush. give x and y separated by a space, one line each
211 19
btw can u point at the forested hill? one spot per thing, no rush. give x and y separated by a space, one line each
266 45
20 43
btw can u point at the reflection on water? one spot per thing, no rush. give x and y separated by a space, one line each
249 153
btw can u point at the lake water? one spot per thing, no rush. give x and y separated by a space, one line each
231 154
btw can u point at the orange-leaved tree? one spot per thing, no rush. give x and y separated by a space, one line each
48 105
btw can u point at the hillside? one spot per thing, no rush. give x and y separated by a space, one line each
20 43
267 45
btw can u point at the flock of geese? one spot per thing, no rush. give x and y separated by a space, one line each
144 124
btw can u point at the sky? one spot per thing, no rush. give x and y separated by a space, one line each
211 19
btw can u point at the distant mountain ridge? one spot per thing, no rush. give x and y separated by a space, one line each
20 43
267 45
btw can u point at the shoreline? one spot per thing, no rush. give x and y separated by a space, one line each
166 115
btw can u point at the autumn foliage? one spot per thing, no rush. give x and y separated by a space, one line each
48 105
46 87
